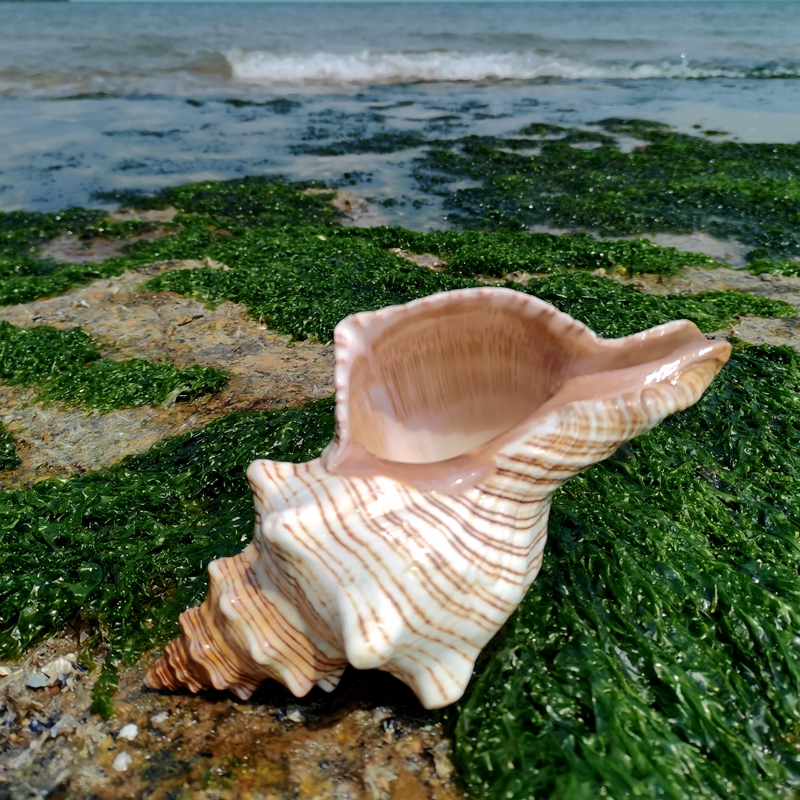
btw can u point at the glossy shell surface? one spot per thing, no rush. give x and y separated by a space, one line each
408 544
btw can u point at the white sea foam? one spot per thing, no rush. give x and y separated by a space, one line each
385 68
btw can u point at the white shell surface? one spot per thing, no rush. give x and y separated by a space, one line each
412 570
414 583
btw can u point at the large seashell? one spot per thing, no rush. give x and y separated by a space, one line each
417 533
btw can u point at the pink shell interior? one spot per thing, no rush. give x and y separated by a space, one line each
428 391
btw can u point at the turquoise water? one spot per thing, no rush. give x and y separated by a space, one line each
105 96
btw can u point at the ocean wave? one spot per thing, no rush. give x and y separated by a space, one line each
386 68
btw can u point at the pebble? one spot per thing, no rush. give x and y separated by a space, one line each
129 732
157 719
295 715
39 681
58 670
122 761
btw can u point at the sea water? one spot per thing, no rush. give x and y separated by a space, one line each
98 96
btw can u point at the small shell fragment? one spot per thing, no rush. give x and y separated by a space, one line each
40 681
129 732
122 761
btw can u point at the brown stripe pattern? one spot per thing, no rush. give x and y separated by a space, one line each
373 572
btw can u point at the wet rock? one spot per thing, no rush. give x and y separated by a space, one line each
754 330
145 214
422 259
368 739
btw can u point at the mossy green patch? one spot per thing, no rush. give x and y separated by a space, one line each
66 366
467 254
302 283
611 309
253 200
104 689
23 288
383 142
25 276
656 655
763 266
251 225
8 452
32 355
497 253
128 546
266 202
670 182
106 384
21 232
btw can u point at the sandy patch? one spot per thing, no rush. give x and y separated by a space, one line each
145 215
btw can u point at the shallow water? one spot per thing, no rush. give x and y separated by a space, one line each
107 96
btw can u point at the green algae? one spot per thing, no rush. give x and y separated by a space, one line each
125 548
66 366
302 283
497 253
670 182
32 355
23 288
22 233
253 200
764 266
25 276
104 689
266 202
383 142
106 384
239 222
656 655
303 279
612 309
8 451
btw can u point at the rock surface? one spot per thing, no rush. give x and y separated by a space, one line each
267 371
751 329
367 741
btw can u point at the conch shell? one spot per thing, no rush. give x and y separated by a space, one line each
417 533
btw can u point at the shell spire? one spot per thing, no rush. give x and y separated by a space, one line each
408 544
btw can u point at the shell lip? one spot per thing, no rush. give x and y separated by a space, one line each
680 348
